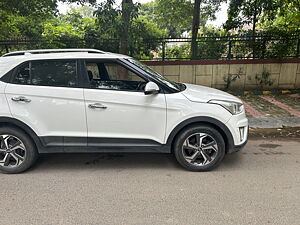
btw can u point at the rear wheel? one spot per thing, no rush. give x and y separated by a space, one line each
17 150
199 148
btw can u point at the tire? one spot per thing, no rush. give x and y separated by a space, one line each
199 148
17 150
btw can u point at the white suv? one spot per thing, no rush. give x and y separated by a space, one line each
86 100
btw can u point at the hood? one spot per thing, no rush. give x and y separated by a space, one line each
198 93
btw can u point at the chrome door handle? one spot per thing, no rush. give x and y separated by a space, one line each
97 106
20 99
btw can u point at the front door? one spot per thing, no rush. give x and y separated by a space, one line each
118 111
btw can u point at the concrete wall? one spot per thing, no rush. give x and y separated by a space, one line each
285 73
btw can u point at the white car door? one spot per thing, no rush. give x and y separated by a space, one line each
118 111
44 95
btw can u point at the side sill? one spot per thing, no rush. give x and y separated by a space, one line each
83 144
111 149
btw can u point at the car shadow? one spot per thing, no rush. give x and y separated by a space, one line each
92 161
88 161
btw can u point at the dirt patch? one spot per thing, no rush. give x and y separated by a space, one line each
269 145
287 132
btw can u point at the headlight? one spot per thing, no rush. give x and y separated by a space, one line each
233 107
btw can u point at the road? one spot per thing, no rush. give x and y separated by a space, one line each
260 185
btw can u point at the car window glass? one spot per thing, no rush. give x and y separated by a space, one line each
114 77
58 73
54 73
93 71
22 75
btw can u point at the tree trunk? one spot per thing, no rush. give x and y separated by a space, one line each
254 18
195 27
127 6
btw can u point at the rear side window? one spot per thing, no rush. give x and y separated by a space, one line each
57 73
22 75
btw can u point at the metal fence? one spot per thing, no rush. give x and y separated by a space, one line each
229 47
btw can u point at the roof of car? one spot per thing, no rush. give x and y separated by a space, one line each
12 59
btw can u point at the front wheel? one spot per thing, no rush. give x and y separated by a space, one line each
17 150
199 148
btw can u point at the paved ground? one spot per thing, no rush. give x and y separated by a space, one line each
260 185
272 111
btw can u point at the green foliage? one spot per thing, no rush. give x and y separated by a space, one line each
111 25
241 12
142 38
177 52
23 18
176 16
102 25
264 79
211 48
58 31
286 19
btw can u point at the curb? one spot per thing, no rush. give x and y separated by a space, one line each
255 92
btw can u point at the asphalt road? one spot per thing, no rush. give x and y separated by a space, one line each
260 185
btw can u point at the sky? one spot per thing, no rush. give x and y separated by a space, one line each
221 15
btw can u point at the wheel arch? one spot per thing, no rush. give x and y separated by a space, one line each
203 120
12 122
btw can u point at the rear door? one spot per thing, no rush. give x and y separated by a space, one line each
45 95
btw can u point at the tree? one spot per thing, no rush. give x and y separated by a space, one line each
286 19
25 18
22 17
209 8
176 16
195 28
117 22
129 11
123 24
241 12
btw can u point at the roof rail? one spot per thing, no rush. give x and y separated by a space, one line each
53 51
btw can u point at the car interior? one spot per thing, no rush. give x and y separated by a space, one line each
113 76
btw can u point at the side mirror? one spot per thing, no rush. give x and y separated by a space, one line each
151 88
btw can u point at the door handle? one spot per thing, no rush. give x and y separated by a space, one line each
97 106
20 99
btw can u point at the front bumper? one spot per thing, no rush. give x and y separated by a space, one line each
237 148
239 129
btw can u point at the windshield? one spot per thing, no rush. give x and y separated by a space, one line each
173 85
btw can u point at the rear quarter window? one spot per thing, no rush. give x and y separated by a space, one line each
55 73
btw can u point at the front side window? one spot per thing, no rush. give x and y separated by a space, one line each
58 73
174 86
113 76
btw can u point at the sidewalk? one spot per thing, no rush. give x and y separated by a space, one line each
272 111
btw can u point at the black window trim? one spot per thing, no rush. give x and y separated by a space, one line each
14 71
108 60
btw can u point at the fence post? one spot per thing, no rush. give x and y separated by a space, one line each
6 48
229 56
263 49
163 50
298 48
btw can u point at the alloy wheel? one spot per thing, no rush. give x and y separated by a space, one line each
12 151
199 149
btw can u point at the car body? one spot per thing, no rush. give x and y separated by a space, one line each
86 100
